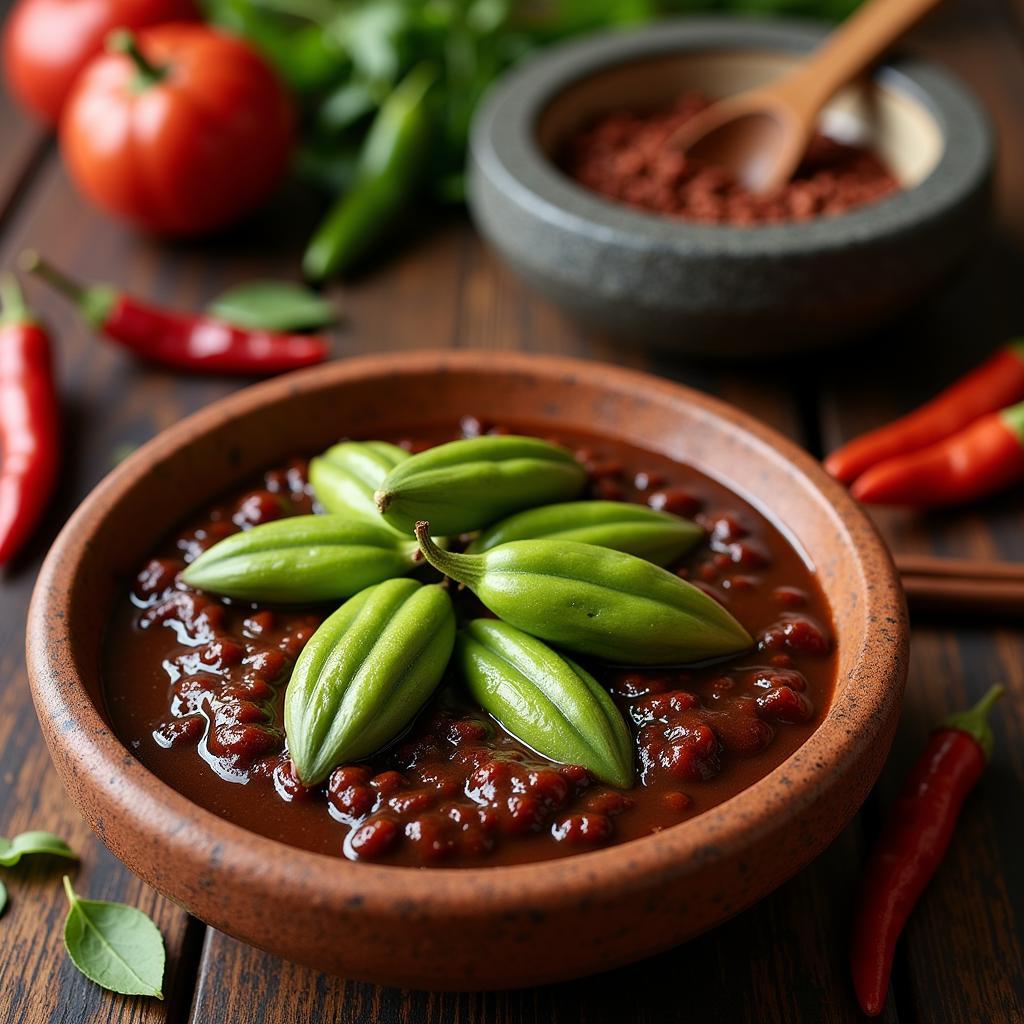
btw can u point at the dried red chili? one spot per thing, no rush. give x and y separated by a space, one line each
913 843
29 425
984 458
624 156
995 384
185 341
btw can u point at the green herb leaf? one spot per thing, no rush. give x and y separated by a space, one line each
303 54
345 106
3 898
114 945
273 306
371 35
30 844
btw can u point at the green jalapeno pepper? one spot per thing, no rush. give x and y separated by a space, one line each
466 485
365 673
660 537
346 476
547 701
303 558
391 167
594 601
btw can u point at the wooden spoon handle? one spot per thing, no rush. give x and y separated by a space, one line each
852 48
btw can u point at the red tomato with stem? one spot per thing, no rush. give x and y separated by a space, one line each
180 130
48 42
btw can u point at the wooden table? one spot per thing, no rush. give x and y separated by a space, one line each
782 961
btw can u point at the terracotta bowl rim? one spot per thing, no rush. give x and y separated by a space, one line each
716 834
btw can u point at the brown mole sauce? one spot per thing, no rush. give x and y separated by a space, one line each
194 688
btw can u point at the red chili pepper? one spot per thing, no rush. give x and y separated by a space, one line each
185 341
29 422
997 383
913 843
986 457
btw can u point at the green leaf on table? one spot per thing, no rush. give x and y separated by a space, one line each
273 306
30 844
114 945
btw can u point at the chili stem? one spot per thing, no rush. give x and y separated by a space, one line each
34 263
465 569
974 721
95 302
1013 417
13 309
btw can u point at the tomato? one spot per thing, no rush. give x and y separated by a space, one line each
183 132
47 42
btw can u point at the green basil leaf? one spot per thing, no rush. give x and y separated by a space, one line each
114 945
273 306
31 843
303 55
3 898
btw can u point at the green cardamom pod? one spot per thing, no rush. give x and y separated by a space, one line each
660 537
365 673
303 558
545 700
467 485
346 476
594 601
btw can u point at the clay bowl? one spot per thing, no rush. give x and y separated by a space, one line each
711 289
475 928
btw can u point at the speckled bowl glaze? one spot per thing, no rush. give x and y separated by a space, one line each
713 289
483 927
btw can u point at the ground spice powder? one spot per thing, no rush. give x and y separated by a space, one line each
623 155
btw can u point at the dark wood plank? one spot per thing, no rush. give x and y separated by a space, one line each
963 955
25 146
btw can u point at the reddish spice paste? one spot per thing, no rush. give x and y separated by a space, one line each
624 156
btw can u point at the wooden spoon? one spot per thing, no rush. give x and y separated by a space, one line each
761 135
